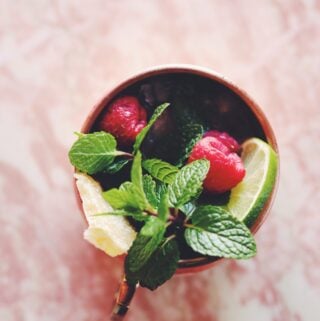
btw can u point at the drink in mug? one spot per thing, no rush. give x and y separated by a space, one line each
176 168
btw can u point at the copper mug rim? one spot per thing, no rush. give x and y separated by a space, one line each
202 262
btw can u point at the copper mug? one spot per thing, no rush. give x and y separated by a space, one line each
239 97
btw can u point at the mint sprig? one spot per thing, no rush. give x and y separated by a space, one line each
164 199
215 232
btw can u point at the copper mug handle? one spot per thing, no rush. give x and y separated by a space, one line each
123 298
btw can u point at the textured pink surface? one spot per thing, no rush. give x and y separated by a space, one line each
57 58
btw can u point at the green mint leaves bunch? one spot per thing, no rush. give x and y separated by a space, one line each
160 196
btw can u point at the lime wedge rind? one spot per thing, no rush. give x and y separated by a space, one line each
249 197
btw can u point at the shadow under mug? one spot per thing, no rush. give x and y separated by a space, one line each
240 97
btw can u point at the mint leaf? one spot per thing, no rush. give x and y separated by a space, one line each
116 198
161 170
149 187
160 188
217 233
161 266
188 182
116 166
188 209
128 197
146 242
140 137
190 135
93 153
136 171
137 180
136 198
163 208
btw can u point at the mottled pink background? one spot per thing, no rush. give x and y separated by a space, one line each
57 58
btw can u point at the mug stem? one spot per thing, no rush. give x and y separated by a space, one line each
123 298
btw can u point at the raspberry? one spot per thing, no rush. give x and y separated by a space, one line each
226 168
224 138
124 119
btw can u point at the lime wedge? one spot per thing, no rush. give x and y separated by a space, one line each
248 198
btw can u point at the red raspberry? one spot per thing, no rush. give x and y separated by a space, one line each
124 119
224 138
226 168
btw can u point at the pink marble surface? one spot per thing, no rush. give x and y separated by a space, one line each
57 58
